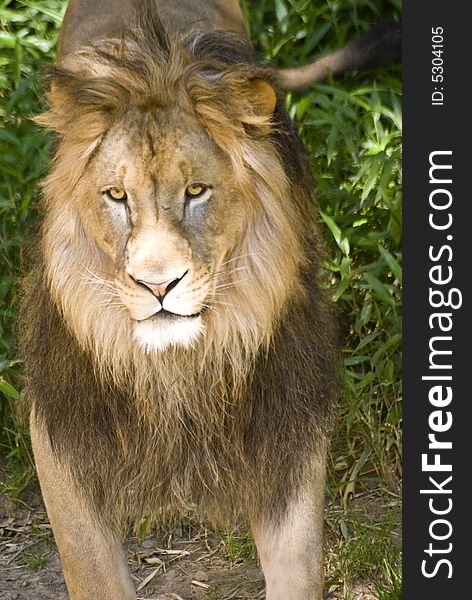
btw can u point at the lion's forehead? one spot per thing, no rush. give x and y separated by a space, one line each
144 148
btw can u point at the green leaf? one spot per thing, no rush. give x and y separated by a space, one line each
391 262
7 39
379 289
331 143
367 340
8 389
391 343
280 10
342 242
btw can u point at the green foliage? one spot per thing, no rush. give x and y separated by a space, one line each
28 32
360 197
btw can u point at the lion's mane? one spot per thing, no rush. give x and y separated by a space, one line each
226 424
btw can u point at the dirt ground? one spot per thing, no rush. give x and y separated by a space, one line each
186 565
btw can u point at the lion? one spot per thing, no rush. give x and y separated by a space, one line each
177 345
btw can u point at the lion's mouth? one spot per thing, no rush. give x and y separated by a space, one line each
164 314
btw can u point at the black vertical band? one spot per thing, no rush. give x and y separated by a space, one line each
437 324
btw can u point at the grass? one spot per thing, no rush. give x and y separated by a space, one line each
363 549
392 588
26 540
34 560
238 547
352 129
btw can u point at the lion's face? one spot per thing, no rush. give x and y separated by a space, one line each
171 223
161 204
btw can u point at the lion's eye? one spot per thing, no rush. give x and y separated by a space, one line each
117 194
194 190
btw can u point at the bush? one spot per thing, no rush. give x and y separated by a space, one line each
27 39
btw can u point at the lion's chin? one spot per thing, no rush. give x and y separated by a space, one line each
158 334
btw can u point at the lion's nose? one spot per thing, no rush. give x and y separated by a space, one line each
161 289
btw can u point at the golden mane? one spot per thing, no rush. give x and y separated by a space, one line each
89 90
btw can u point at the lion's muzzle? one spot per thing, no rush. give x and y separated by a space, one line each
160 290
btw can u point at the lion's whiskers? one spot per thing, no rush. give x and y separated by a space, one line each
222 274
231 284
250 254
110 302
94 274
104 286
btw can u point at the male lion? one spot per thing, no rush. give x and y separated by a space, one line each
177 345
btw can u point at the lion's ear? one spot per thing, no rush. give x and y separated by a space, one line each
263 96
62 108
73 98
57 96
80 85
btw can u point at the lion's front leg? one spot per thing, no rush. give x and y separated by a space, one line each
92 560
291 547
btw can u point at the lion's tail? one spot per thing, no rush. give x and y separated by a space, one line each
379 47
